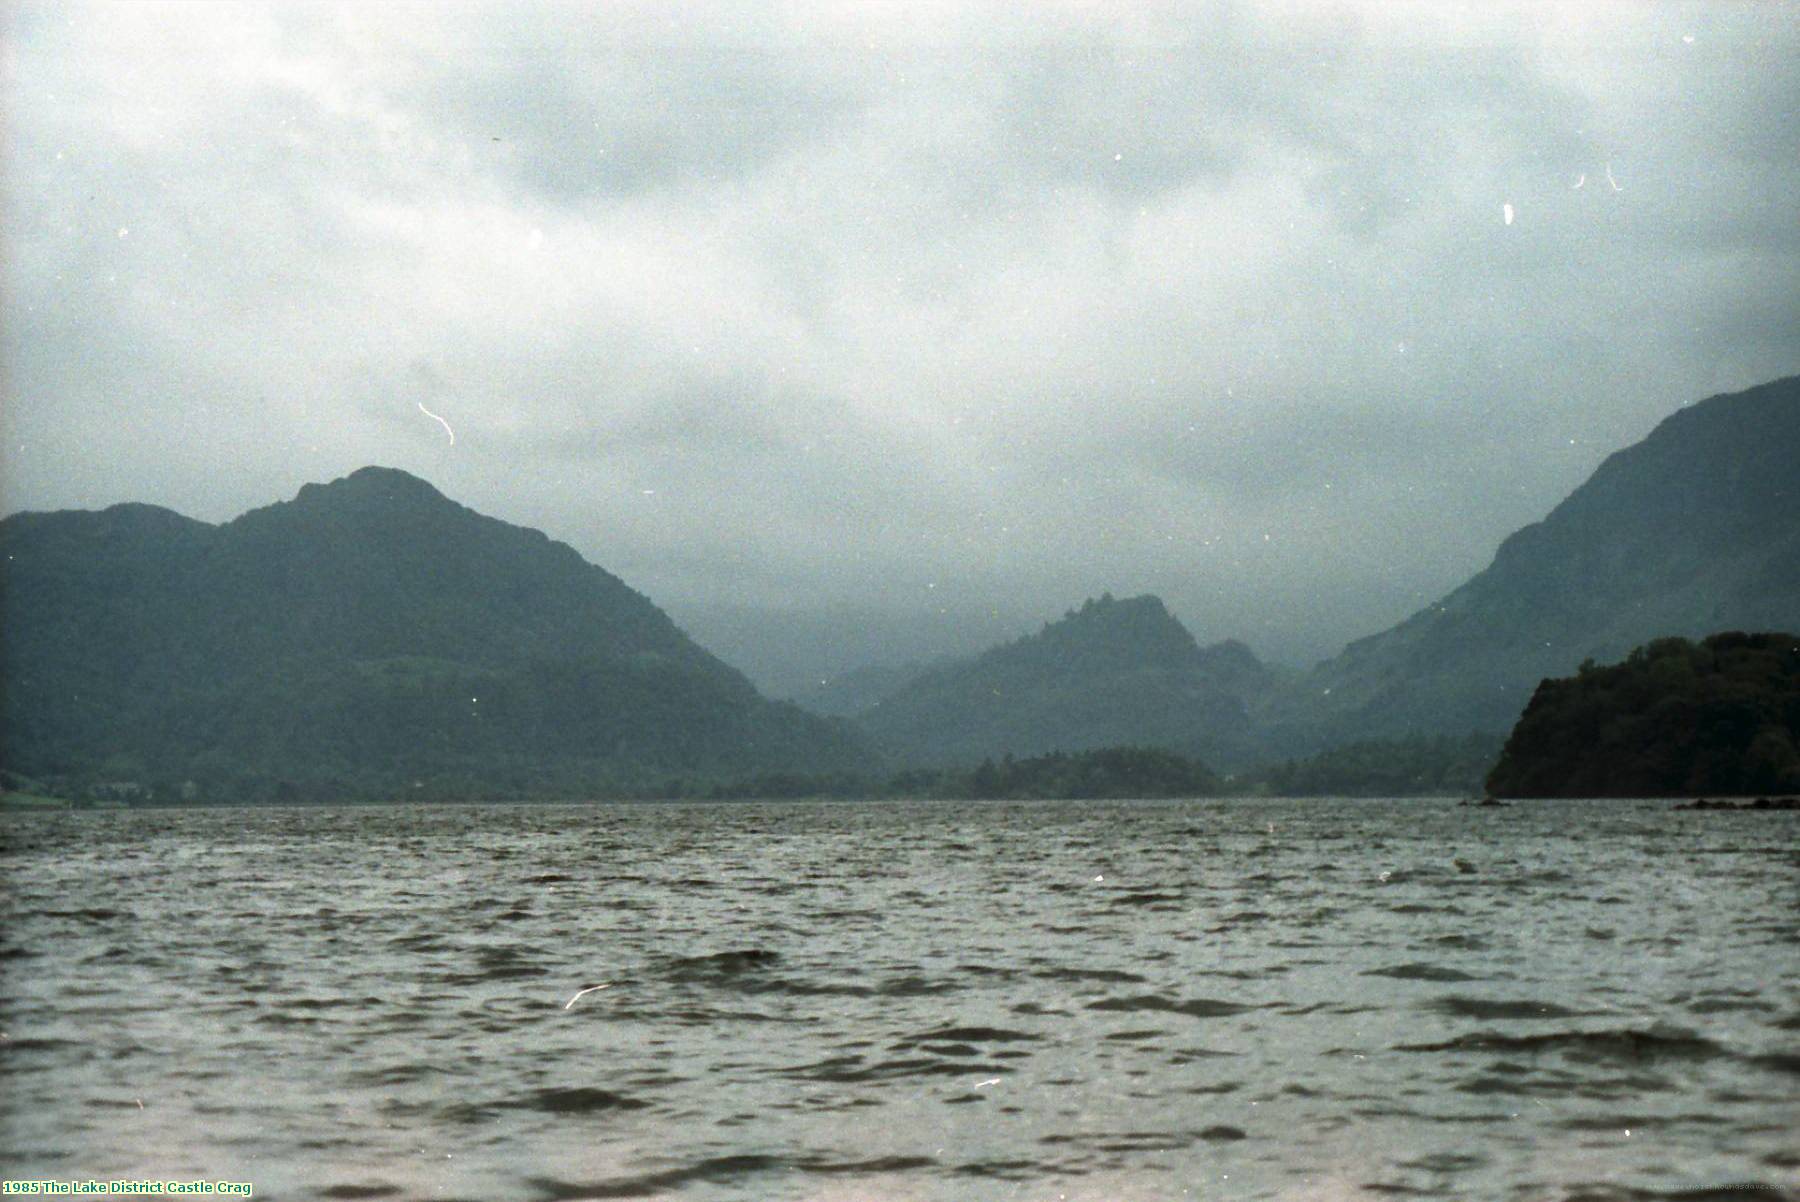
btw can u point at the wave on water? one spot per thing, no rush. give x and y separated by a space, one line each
1192 1007
902 1002
1655 1043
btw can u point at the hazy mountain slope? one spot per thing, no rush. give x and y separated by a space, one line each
851 692
368 632
1695 529
1111 673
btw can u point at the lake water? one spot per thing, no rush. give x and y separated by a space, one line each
1240 999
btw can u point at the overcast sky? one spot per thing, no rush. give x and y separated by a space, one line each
920 322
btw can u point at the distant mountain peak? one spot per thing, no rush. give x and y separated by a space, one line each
367 635
1106 605
1138 629
1143 615
135 515
1232 655
1111 672
375 483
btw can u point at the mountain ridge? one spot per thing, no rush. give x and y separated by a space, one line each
1113 672
373 602
367 633
1693 529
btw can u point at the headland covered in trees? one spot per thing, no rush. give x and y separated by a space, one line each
372 638
1675 719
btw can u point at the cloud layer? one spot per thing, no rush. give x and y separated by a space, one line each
965 309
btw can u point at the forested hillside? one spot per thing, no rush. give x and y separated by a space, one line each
1675 719
370 637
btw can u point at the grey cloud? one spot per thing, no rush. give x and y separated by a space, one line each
596 122
701 417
